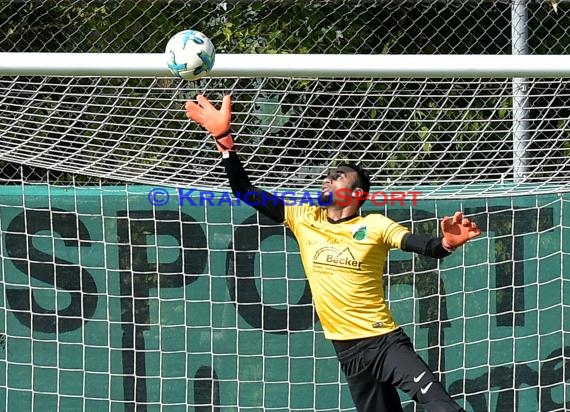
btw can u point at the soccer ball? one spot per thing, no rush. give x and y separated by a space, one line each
190 54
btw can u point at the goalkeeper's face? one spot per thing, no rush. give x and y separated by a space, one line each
338 185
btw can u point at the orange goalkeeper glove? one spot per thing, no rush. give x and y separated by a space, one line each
457 230
217 122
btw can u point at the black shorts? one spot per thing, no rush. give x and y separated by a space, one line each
374 367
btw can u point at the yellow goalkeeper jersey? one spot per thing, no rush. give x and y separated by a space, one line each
344 264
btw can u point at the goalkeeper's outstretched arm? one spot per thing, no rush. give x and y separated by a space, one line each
266 203
456 231
218 123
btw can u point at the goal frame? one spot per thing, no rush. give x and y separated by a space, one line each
291 65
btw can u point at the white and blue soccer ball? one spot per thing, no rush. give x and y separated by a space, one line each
190 54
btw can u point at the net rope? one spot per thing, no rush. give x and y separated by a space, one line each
445 136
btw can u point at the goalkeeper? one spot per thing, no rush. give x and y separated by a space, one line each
343 256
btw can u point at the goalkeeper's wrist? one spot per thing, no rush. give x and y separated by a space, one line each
446 245
225 143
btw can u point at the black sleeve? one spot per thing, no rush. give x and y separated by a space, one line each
424 245
266 203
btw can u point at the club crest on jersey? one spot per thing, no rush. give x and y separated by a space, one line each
359 232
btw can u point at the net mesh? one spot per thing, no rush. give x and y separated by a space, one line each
443 136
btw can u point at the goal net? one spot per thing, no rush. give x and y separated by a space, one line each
443 136
132 283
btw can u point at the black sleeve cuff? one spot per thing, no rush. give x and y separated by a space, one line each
424 245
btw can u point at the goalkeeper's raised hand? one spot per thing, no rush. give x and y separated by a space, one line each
215 121
457 230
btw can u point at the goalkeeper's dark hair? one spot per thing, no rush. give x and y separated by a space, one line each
363 180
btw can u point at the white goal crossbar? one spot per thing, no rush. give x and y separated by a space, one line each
295 65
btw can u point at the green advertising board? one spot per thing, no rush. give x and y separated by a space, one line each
113 304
